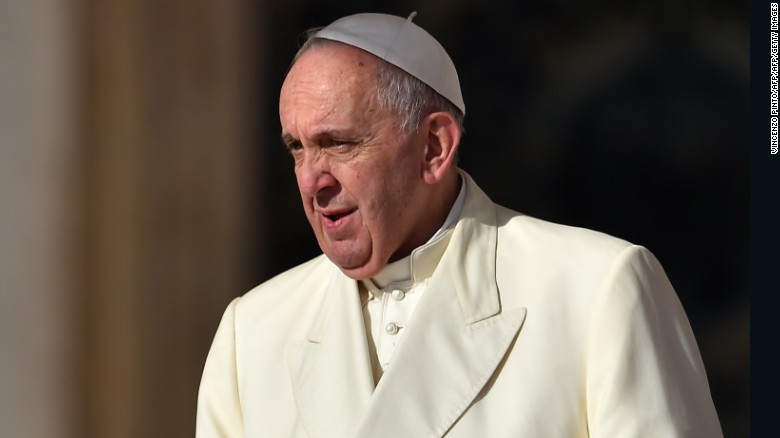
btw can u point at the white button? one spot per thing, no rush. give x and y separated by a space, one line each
397 294
391 328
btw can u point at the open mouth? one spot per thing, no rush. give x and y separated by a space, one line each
336 216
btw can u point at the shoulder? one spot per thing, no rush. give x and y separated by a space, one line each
520 236
566 266
294 278
296 291
544 239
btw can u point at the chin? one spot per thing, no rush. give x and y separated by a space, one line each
356 261
362 272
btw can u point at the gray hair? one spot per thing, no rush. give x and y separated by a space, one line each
397 90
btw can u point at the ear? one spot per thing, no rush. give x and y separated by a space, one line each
443 137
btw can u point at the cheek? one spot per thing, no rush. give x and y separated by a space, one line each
385 205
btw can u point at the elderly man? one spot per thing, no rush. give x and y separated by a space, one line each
433 311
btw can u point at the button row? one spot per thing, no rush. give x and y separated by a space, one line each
397 295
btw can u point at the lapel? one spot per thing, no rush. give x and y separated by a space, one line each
455 340
331 369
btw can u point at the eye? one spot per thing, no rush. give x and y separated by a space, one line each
293 146
338 143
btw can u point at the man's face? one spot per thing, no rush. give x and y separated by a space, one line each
359 178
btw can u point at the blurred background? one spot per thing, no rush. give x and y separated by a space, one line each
143 183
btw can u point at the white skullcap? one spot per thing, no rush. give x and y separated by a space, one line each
403 44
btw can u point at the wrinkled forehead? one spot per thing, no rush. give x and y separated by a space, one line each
330 87
330 71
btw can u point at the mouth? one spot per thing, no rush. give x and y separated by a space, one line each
336 217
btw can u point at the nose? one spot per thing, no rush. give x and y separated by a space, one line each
314 176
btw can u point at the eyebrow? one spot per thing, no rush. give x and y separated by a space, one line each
287 138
